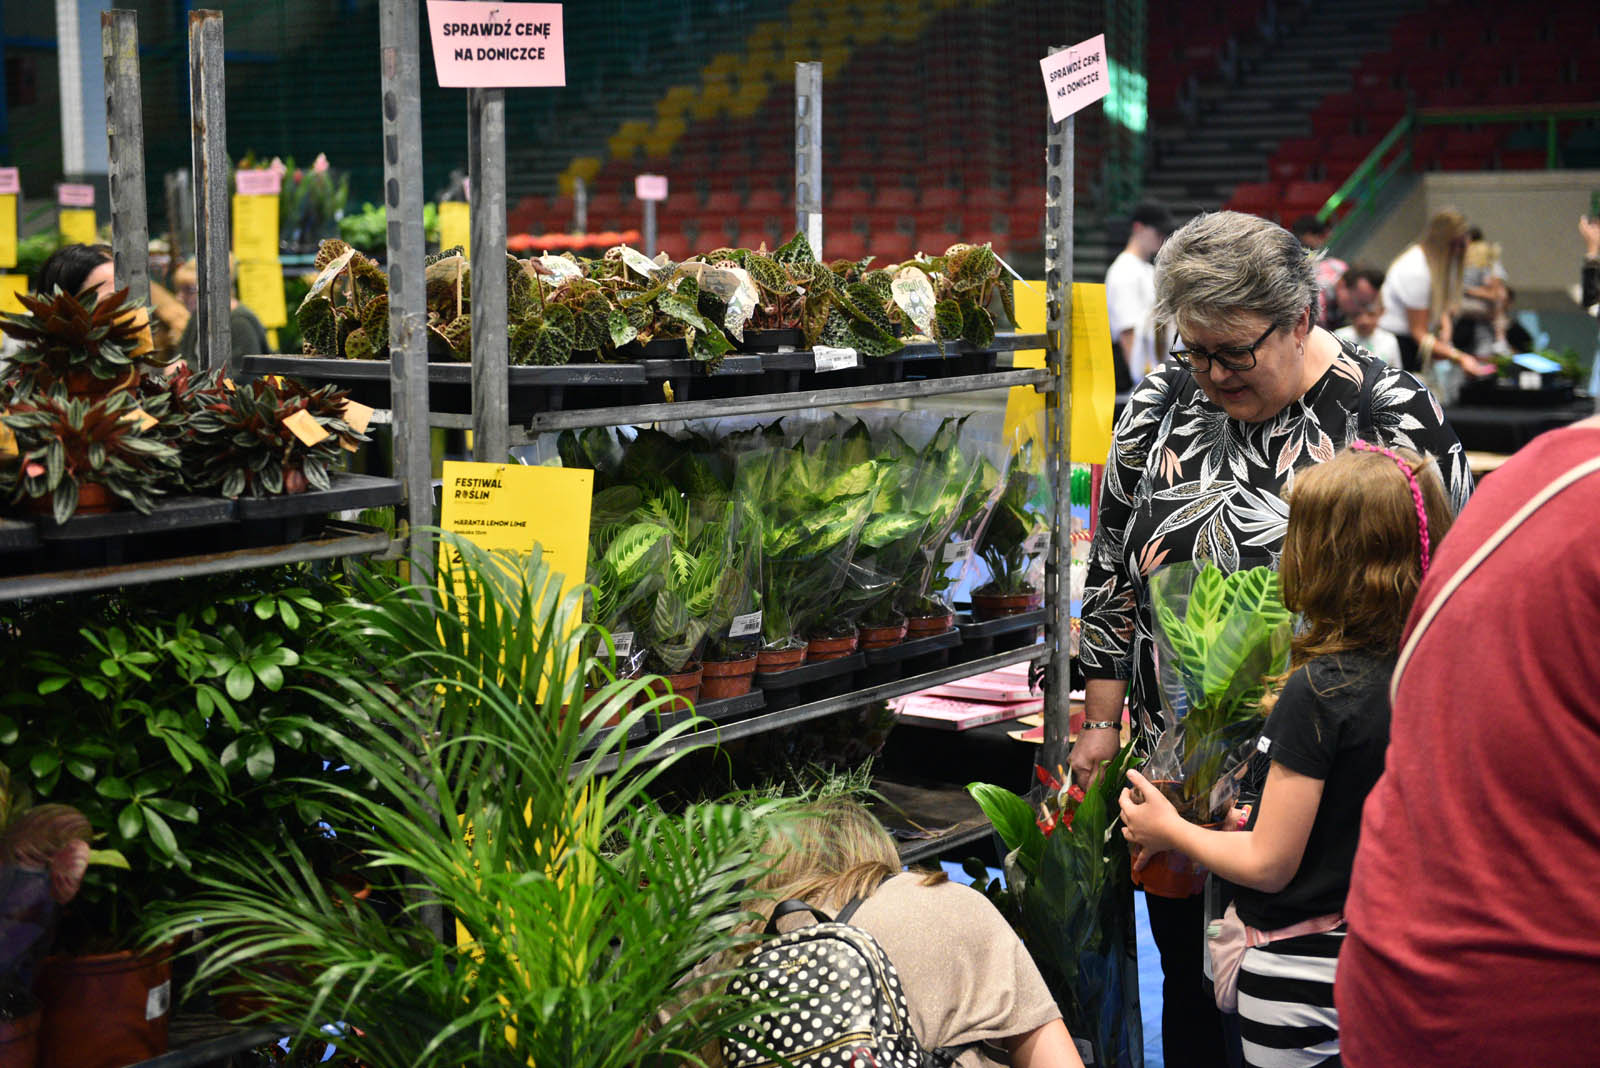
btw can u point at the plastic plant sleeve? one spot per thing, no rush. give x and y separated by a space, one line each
947 553
739 594
890 552
1218 639
1015 542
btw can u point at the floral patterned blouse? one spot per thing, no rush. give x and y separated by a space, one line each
1213 490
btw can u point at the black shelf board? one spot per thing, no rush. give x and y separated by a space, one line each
972 627
18 535
914 647
727 709
328 369
829 705
781 402
176 513
347 491
927 818
744 364
236 1038
337 539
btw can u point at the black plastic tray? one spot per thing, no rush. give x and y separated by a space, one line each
971 627
813 672
348 491
728 709
178 513
913 648
18 535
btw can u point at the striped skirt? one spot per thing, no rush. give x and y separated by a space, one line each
1286 1013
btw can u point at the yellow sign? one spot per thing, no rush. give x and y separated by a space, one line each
261 290
255 228
1094 388
8 230
455 225
77 226
10 286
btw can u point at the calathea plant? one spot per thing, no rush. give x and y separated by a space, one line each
269 437
628 562
66 443
700 590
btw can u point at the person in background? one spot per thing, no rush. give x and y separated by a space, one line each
1474 923
972 986
1589 281
1361 530
1358 287
1480 327
1313 234
1365 331
1421 292
1201 458
248 336
77 269
1131 294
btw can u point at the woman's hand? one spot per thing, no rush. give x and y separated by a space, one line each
1148 820
1090 752
1589 230
1477 368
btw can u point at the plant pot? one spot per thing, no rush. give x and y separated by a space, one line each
19 1041
779 659
589 694
830 648
685 689
770 340
1171 873
882 637
727 678
83 385
924 626
93 499
295 481
995 605
103 1011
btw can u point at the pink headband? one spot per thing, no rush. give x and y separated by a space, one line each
1416 493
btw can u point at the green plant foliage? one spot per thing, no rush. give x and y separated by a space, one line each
1014 538
239 445
582 904
61 334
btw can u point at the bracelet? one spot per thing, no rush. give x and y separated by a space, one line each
1101 725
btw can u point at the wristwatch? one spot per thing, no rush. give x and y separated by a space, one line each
1101 725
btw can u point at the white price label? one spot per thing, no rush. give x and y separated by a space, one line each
638 261
624 644
958 552
560 268
746 625
1529 380
1035 544
157 1000
834 359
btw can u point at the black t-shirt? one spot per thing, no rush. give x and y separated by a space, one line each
1331 723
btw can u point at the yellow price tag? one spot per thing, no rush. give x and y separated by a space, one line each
304 425
358 415
77 226
255 229
261 290
10 286
8 230
455 225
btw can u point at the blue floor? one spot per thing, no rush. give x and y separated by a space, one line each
1149 971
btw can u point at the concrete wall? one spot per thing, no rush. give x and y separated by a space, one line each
1532 214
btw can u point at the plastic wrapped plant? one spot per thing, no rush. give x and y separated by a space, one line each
1016 537
628 561
1218 640
270 437
70 449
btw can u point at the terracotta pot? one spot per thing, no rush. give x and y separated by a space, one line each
926 626
19 1041
93 499
779 659
589 694
685 689
995 605
103 1011
294 481
727 678
830 648
1170 873
882 637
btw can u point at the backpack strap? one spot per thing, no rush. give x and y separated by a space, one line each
790 908
850 909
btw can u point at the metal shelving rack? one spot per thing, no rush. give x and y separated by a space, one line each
409 374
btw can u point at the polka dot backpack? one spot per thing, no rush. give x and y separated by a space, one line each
840 1003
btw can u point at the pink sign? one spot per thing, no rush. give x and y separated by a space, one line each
267 183
1076 77
71 195
10 182
480 45
650 187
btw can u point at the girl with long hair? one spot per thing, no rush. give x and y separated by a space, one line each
1362 528
1421 295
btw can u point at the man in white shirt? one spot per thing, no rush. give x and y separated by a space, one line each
1131 291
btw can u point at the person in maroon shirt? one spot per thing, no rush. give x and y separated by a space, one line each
1474 913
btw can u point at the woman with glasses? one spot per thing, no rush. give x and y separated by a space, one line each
1201 462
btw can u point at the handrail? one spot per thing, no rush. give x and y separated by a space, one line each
1368 181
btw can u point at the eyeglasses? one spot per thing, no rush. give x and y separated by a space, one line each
1231 358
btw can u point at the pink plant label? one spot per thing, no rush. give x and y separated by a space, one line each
497 46
650 187
10 182
1076 77
266 183
73 195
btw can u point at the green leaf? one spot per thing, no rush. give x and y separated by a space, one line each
240 682
160 831
52 684
113 788
173 809
130 821
109 858
43 763
266 608
81 769
260 758
8 730
271 675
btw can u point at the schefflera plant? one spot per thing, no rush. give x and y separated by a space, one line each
65 442
244 441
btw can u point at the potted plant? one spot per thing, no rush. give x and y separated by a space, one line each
562 879
734 624
948 550
81 455
628 562
262 438
1013 541
174 720
88 346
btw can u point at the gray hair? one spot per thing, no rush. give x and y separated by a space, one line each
1221 265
